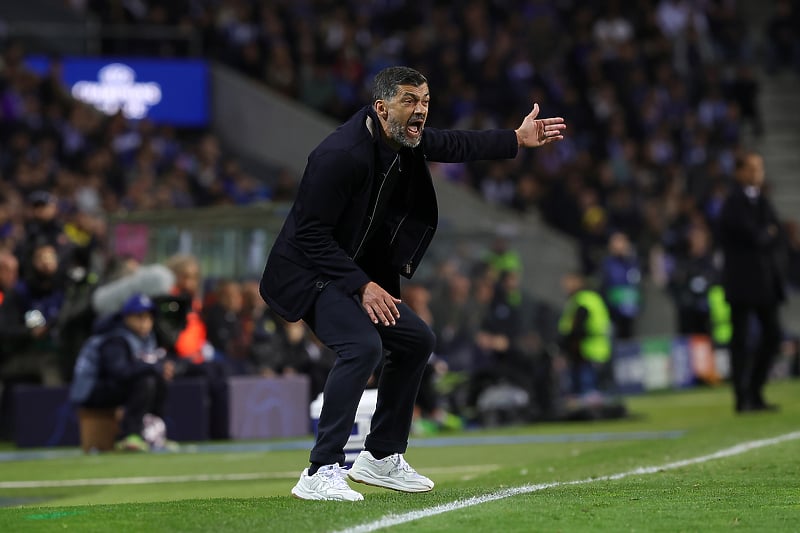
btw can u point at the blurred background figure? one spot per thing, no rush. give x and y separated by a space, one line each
223 321
699 298
621 279
753 281
586 336
122 365
586 341
195 355
298 351
430 410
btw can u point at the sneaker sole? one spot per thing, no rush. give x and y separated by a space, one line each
380 483
301 497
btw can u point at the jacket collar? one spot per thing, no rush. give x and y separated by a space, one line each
372 124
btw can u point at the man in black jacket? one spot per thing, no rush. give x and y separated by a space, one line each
364 214
752 279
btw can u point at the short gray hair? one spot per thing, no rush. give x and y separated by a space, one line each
388 80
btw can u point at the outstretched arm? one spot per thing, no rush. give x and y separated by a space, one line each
535 132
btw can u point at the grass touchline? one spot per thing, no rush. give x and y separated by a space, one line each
395 520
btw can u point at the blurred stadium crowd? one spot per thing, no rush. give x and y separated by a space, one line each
658 95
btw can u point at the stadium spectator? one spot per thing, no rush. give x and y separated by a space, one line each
270 344
223 322
430 415
456 321
691 282
505 377
620 285
261 329
41 296
783 37
43 226
22 334
301 352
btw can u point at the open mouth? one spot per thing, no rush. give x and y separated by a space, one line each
414 127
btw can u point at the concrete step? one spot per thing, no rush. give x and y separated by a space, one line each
787 116
778 156
779 147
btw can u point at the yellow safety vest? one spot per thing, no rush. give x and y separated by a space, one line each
596 345
720 313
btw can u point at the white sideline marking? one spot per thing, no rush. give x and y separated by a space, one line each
89 482
395 520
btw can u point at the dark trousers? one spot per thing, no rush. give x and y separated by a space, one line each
750 368
141 395
341 323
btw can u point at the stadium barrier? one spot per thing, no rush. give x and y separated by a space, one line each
266 408
668 362
43 416
259 407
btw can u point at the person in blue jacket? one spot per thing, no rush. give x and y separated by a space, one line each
364 214
122 365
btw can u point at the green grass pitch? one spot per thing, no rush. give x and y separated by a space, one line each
748 490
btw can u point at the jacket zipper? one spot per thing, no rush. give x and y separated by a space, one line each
375 206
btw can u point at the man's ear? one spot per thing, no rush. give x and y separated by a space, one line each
380 108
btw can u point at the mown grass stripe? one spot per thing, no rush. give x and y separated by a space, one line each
432 442
147 480
395 520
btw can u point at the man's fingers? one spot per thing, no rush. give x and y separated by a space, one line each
386 312
389 312
553 120
393 309
380 312
371 315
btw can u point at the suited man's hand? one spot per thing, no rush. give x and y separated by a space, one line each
379 304
535 132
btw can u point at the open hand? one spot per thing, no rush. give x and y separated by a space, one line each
535 132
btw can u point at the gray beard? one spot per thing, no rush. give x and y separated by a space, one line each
397 132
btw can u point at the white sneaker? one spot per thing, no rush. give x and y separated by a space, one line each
392 472
329 483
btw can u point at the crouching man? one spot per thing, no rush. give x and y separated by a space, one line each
122 365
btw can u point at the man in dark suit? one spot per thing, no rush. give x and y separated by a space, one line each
364 214
752 279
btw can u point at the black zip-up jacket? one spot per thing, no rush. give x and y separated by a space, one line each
752 272
323 239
